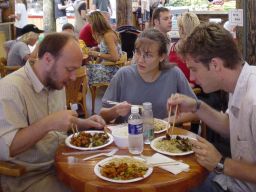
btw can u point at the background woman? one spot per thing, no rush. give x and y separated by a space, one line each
110 49
186 24
150 79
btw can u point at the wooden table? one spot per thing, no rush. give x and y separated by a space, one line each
80 176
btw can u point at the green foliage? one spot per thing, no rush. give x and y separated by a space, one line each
177 3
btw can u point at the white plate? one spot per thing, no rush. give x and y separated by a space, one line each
164 122
68 139
152 145
105 161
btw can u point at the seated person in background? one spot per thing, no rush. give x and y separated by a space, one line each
86 35
216 64
69 28
110 49
186 24
34 118
20 52
150 79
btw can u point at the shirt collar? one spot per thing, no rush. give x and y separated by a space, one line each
241 86
36 83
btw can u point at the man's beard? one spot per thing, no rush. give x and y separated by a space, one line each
51 82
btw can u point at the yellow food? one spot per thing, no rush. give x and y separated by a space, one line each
159 125
174 145
125 168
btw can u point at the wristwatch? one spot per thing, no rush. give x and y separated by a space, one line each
219 169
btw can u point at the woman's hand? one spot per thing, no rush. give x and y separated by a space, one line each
93 53
122 109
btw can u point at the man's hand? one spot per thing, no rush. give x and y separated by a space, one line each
62 120
206 154
94 121
186 104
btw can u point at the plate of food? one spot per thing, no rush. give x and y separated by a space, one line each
122 169
89 140
159 125
177 145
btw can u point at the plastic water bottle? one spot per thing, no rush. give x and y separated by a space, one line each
148 123
135 132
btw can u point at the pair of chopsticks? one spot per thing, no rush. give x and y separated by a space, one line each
173 124
74 129
115 103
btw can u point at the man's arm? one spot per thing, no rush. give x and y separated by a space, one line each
240 170
208 156
218 121
26 137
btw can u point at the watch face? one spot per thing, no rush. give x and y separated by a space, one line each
219 168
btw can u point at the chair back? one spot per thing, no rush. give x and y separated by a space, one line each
76 90
128 35
4 69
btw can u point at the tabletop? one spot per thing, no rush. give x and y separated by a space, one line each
80 177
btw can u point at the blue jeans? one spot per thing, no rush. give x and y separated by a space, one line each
209 185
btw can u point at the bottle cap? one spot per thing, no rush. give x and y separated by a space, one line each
147 105
135 109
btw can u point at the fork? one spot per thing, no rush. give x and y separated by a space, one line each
111 153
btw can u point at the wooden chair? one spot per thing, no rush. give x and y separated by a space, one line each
11 169
4 69
93 88
76 90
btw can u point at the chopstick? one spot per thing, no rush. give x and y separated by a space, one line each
175 117
168 121
74 128
163 163
88 152
115 103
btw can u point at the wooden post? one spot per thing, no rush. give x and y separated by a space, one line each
48 17
246 34
124 12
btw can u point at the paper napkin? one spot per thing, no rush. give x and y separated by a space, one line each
111 127
175 169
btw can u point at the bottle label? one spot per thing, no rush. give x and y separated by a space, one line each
135 129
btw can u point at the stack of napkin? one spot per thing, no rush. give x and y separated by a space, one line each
173 168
